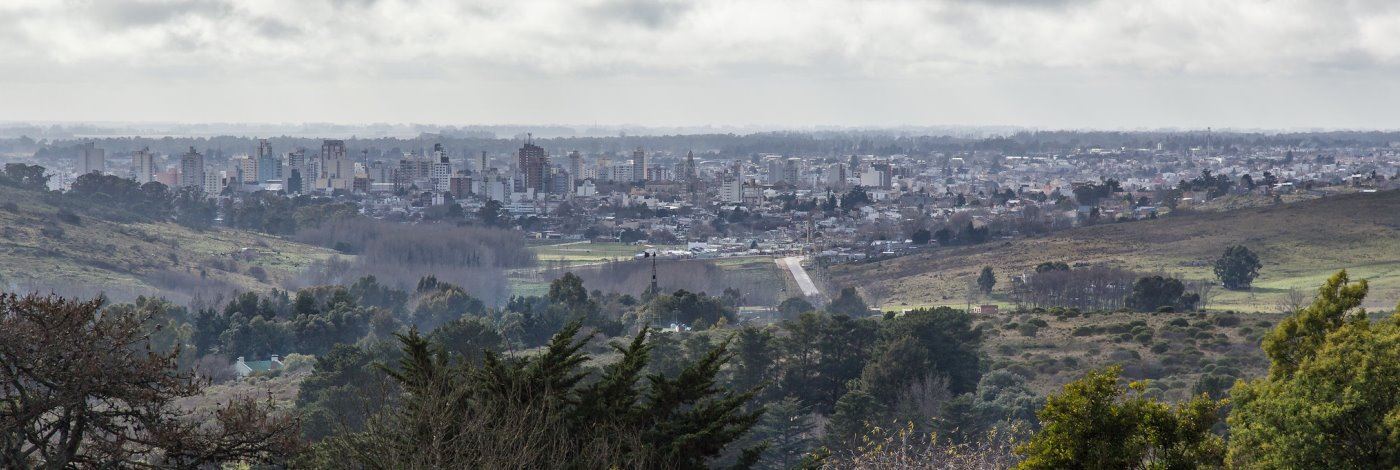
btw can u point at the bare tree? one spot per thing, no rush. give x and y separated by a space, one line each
81 387
1294 300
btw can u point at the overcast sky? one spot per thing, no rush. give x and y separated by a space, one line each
1043 63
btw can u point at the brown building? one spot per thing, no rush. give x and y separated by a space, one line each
534 166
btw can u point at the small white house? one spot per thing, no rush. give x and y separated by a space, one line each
246 368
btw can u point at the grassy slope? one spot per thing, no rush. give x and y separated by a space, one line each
1299 244
133 258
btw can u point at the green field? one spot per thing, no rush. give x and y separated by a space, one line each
1300 244
572 253
756 273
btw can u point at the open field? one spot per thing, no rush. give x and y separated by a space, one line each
572 253
128 259
613 266
1299 244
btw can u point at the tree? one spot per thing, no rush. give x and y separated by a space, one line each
940 341
80 388
1332 395
25 176
1095 423
822 355
794 306
467 338
788 430
848 302
1237 267
493 214
921 236
1153 292
986 280
538 411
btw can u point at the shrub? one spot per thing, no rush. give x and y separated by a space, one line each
68 217
1227 320
1028 329
53 231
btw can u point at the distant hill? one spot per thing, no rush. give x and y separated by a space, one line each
1298 243
78 253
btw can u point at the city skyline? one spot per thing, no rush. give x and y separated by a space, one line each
1045 64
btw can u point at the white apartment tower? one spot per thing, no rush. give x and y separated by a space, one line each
91 159
143 166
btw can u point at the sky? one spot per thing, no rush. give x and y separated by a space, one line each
1055 64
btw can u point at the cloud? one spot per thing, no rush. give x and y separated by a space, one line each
867 38
558 44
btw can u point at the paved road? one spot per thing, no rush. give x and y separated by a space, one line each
794 265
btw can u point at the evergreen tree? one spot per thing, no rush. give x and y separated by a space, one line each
987 280
1237 267
1332 395
849 303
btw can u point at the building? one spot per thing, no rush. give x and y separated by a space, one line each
213 183
246 368
731 191
413 169
192 169
245 170
621 171
333 169
687 171
792 170
441 171
91 159
534 167
639 165
269 166
575 166
143 166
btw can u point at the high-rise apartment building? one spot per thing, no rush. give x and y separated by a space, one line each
639 165
91 159
575 167
534 167
268 164
192 169
143 166
441 170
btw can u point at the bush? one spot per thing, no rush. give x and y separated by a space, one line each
1084 331
52 231
1227 320
10 206
1160 348
1028 329
68 217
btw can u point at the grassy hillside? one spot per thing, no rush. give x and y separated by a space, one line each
88 255
1298 243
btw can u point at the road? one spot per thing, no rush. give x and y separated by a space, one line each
794 265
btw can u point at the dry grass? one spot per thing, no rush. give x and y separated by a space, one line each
1299 244
129 259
